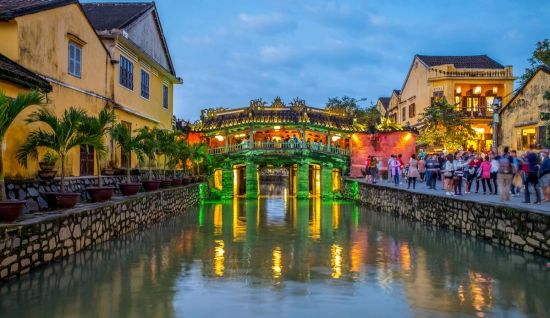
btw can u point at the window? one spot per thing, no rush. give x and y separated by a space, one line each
165 96
404 114
126 73
528 140
472 104
412 110
144 84
75 60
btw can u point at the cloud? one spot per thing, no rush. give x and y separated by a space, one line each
271 24
196 40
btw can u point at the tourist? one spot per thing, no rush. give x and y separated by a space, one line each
513 189
458 166
373 167
432 168
422 168
485 174
315 145
367 169
396 171
494 170
390 161
400 159
308 143
441 160
473 171
544 175
448 173
504 175
413 173
294 141
532 179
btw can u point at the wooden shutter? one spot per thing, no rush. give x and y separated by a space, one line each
541 137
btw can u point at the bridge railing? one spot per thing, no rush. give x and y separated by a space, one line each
268 145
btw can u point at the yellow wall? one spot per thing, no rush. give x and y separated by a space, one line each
524 111
415 90
42 45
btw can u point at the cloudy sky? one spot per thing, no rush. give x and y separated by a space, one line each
229 52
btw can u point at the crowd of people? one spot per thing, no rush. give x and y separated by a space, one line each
505 174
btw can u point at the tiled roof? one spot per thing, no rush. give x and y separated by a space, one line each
385 101
274 117
10 9
397 92
468 62
15 73
108 16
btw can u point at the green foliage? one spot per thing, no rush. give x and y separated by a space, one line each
149 145
199 153
541 56
169 144
443 126
365 116
122 135
63 134
49 158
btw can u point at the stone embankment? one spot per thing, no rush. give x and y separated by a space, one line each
512 226
46 237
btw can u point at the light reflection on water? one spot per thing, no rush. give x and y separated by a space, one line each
289 258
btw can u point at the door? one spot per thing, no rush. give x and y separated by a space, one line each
123 155
86 160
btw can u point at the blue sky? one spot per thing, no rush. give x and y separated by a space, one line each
229 52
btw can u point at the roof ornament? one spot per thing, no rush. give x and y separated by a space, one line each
212 112
277 103
257 104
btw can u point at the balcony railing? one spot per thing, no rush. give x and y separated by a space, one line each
277 146
501 73
472 107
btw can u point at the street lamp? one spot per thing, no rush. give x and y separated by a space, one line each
497 102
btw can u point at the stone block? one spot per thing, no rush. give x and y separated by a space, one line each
14 268
488 233
8 260
532 242
518 240
25 262
48 257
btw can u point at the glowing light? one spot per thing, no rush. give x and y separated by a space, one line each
220 138
495 90
334 138
218 221
277 263
276 127
219 258
336 261
458 89
408 136
477 90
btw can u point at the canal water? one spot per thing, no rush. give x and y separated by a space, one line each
281 257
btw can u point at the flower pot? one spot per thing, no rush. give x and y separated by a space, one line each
166 183
176 182
129 188
100 194
202 178
46 165
62 200
151 185
186 180
47 174
194 179
108 172
11 210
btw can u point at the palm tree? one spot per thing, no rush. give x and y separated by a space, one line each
168 144
149 146
182 153
123 137
199 153
9 109
63 135
99 126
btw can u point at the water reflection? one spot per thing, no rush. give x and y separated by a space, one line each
284 257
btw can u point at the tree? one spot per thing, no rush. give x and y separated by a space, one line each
541 56
98 127
64 134
122 135
367 116
149 146
168 144
442 125
199 153
9 110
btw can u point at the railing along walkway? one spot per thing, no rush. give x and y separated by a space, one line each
278 146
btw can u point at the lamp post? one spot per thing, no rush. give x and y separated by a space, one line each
497 102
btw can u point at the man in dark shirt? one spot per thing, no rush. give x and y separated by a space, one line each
432 168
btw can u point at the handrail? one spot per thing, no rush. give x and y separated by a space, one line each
290 146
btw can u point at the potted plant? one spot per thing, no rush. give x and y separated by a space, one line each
97 127
149 146
64 135
123 137
10 210
47 164
168 143
199 154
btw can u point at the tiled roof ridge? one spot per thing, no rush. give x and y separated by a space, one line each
480 61
147 6
10 9
21 75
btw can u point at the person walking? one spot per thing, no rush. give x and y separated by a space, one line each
448 172
458 166
373 166
544 174
432 169
413 172
513 189
367 169
485 173
400 159
473 174
494 171
396 171
422 168
441 160
532 179
504 175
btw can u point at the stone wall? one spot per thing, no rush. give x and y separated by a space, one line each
515 227
31 190
42 239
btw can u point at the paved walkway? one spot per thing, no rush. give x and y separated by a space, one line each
476 197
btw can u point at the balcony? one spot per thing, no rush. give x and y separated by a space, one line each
506 73
280 146
473 106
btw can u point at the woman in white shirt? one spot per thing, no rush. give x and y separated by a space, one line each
494 169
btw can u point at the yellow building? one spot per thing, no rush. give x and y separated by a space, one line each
382 105
470 82
393 105
127 67
520 125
